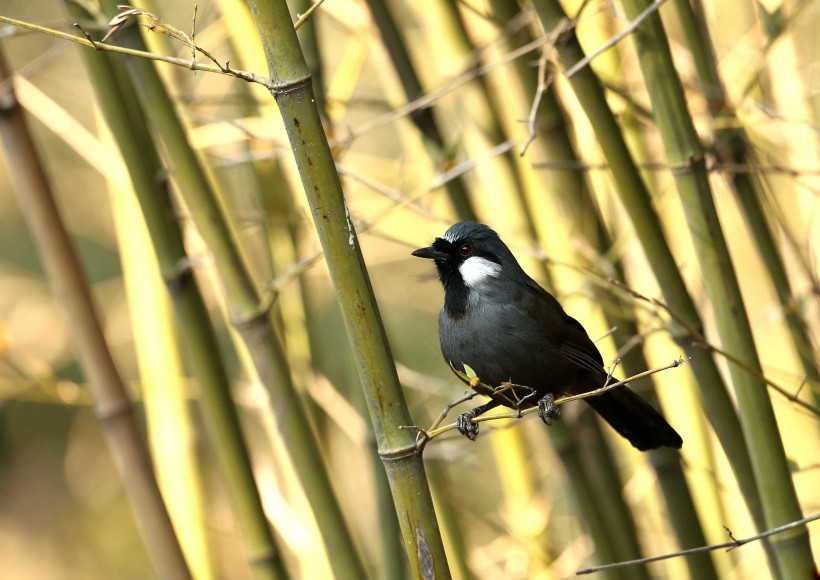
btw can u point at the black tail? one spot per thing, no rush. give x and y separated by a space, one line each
635 419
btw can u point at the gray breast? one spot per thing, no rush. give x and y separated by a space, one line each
502 343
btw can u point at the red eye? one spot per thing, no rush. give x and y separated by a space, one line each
465 250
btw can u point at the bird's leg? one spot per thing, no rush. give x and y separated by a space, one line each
464 422
547 409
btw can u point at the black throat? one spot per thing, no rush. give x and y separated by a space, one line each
456 292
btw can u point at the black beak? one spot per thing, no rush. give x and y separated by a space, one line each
430 254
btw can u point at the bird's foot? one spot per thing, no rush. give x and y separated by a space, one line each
465 425
547 409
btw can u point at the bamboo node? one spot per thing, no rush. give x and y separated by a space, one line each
290 86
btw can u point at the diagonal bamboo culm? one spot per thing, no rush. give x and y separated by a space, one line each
112 406
293 93
683 148
251 321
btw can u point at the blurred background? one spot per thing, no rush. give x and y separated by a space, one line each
509 504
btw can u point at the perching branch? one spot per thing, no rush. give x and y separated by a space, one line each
425 435
728 545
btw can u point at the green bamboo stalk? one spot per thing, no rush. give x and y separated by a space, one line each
684 150
171 421
124 116
252 323
554 144
597 464
666 463
394 560
424 119
637 202
608 506
111 404
586 499
309 41
285 228
493 125
731 145
293 94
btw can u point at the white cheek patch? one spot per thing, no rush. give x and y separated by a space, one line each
476 270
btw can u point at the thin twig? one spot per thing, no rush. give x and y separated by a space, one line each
441 179
87 36
423 435
544 81
651 9
701 340
457 82
716 167
303 18
390 193
361 226
193 37
728 545
87 42
612 330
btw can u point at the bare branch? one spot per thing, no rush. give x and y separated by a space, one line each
517 413
651 9
728 545
303 18
714 167
455 83
544 81
218 69
701 340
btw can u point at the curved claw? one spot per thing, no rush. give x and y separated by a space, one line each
465 425
547 409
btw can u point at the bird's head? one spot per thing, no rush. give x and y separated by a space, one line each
469 257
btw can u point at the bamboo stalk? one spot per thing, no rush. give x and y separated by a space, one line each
637 202
293 94
683 149
309 41
424 119
286 229
554 144
585 497
171 422
251 321
394 560
111 404
666 463
127 123
731 145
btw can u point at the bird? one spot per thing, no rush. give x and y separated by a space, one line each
516 345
